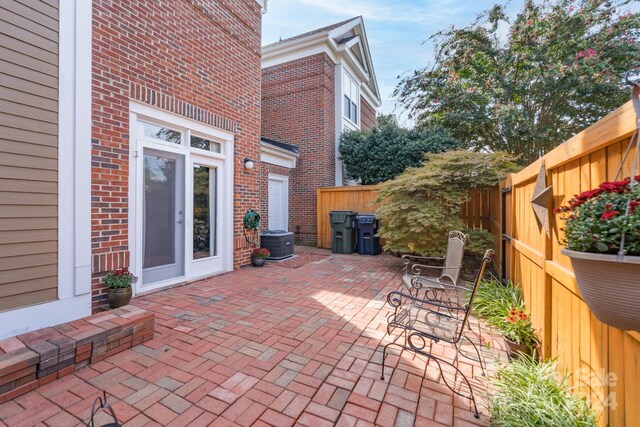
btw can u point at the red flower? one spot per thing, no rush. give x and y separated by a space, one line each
609 214
634 205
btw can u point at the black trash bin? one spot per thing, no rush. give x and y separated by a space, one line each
368 243
343 231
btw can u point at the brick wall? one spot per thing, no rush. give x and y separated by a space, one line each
298 107
196 58
367 114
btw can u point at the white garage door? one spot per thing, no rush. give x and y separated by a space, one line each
278 202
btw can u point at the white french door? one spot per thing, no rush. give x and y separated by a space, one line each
181 210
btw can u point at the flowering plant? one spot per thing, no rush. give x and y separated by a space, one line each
597 219
517 327
261 253
118 279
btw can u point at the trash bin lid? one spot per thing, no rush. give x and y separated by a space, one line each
366 218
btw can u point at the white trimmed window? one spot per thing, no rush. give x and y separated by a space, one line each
351 98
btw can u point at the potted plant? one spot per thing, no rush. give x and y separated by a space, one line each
259 256
518 332
602 238
118 283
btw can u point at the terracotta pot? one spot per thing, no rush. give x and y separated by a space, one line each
119 297
259 262
514 349
610 285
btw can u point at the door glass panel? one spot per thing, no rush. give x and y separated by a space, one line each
205 144
204 211
163 217
159 132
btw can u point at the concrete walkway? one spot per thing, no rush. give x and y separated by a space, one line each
264 346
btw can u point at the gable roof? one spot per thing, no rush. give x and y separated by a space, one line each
324 29
344 40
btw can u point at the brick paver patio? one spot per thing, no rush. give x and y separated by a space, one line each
263 346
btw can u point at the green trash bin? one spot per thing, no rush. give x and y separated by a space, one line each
343 231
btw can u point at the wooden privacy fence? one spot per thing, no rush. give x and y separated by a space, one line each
360 199
604 362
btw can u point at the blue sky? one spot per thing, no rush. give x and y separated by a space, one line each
398 30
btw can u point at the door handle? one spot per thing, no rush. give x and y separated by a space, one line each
179 221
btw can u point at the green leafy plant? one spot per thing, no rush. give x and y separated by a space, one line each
478 241
261 253
118 279
383 152
493 300
419 207
529 393
597 219
517 328
525 84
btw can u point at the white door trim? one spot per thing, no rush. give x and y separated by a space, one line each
285 202
222 160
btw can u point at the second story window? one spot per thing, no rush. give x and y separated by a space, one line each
351 98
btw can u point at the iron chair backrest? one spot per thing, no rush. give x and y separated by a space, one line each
455 254
486 259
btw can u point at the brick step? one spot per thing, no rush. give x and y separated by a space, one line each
36 358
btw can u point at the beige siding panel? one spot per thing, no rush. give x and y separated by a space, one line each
21 85
13 185
29 199
15 262
27 174
32 298
49 9
35 40
28 51
29 75
8 224
24 236
8 284
25 161
30 285
26 104
34 27
17 211
33 150
27 12
21 135
28 152
28 123
28 61
30 249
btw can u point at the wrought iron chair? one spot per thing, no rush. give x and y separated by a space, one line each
413 278
432 319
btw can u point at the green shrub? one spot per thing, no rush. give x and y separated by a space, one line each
419 207
529 393
494 299
478 242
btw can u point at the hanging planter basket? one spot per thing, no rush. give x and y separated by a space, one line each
610 285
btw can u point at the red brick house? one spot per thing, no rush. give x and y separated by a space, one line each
125 130
314 87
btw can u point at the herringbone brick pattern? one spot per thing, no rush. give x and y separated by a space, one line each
264 346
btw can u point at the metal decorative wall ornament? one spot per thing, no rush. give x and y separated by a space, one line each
541 198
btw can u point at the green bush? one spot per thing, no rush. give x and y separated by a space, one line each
479 241
529 393
494 299
420 207
381 153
